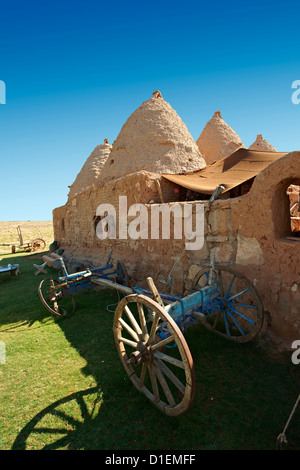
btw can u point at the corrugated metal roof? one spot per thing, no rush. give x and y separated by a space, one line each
232 171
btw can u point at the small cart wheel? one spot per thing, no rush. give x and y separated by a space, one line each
144 332
56 297
234 309
38 245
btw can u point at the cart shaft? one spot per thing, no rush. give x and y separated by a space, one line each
113 285
192 302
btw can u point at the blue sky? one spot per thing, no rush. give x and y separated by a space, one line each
75 71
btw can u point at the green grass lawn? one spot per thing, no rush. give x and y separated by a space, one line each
64 387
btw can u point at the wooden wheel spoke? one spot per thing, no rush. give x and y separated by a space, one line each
238 294
162 343
236 323
171 376
133 321
230 286
154 383
165 386
154 327
129 329
143 322
238 304
143 375
216 320
241 315
226 323
128 342
170 359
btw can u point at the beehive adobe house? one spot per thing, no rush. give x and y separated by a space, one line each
90 172
218 139
155 139
250 231
262 144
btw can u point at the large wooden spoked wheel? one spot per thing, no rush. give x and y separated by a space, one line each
234 310
154 353
38 245
55 298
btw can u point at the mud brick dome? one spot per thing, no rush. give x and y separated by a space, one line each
89 174
262 145
218 139
154 139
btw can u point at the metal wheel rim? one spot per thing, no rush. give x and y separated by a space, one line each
45 303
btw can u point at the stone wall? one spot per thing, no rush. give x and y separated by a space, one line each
250 233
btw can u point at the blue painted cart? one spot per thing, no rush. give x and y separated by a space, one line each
57 295
149 326
149 330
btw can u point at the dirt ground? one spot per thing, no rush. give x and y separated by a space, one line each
30 230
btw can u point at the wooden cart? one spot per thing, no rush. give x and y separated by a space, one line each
149 326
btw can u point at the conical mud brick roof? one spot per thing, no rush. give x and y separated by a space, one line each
154 139
218 140
90 172
262 145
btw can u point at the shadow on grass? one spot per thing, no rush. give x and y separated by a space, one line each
19 294
60 435
242 400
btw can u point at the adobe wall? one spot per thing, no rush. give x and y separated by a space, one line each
74 222
249 233
262 224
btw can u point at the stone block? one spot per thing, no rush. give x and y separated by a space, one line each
248 251
220 221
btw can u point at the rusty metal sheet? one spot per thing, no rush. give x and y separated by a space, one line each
231 171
